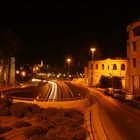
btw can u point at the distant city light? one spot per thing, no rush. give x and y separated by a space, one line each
23 73
17 72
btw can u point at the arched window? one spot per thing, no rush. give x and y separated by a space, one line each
96 66
114 67
108 67
122 66
103 66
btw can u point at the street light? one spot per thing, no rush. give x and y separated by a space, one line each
93 50
68 61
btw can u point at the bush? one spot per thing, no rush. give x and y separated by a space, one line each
58 124
5 129
34 131
6 102
37 137
4 111
22 109
21 124
47 113
5 105
80 134
1 138
75 115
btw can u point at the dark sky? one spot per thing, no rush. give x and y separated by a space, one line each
53 30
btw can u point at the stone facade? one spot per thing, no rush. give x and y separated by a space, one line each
133 56
107 67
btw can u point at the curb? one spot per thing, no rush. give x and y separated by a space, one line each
99 133
93 124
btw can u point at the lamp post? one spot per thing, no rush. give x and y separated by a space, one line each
92 51
68 61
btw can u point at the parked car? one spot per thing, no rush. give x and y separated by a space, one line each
109 91
117 93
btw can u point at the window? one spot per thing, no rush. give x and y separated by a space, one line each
103 66
122 67
134 62
96 66
108 67
114 67
134 46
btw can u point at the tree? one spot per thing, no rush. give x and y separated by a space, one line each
10 44
104 81
114 82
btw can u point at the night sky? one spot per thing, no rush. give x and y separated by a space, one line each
53 31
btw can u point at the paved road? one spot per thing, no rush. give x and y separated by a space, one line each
51 91
119 121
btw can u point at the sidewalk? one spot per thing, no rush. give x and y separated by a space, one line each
93 123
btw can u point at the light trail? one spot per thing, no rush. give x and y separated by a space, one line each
53 92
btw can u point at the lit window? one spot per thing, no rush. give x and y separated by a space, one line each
134 62
122 67
114 67
103 66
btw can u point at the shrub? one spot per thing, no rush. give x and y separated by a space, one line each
5 105
5 129
4 111
37 137
75 115
34 131
6 102
80 134
22 109
1 138
21 124
47 113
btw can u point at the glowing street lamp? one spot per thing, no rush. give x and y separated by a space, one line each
92 51
68 61
17 72
23 73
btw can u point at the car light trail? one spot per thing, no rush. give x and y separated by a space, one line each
53 92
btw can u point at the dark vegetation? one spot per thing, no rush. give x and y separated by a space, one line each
107 81
5 129
50 124
20 124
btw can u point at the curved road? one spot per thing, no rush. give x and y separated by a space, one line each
119 120
51 91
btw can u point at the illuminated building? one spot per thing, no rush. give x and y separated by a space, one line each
133 56
108 67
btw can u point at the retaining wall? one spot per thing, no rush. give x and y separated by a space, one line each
80 104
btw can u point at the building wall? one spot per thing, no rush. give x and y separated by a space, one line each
107 67
133 56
